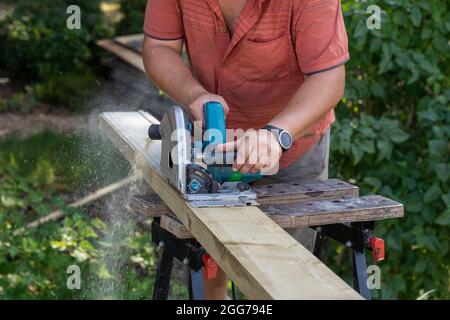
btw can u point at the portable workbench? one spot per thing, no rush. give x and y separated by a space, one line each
332 207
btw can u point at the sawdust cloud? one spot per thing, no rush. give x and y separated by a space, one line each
107 280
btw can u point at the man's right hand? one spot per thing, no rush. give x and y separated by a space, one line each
163 62
195 108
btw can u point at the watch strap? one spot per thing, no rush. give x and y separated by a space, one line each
278 132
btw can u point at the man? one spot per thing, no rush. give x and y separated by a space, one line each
275 65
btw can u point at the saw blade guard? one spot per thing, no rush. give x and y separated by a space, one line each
175 146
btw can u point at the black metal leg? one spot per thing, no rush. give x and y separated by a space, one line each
321 245
163 272
233 290
359 269
196 285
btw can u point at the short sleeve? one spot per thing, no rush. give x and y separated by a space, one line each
321 39
163 20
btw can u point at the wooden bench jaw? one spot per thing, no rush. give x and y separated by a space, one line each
289 215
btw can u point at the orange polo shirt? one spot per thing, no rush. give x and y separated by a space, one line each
275 44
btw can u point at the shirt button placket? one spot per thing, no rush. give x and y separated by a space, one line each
223 46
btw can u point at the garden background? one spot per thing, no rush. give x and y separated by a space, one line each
391 138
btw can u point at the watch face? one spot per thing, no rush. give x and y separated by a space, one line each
285 140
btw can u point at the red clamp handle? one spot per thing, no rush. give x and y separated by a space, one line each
377 245
210 267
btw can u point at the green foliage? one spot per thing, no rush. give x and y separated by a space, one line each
69 89
392 136
30 267
133 16
37 46
19 101
33 264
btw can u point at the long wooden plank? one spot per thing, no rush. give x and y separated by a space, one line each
132 41
126 54
260 257
314 213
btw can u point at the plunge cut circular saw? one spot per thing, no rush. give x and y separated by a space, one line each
188 159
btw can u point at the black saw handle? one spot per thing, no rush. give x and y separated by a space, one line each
153 132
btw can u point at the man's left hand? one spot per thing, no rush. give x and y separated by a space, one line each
257 151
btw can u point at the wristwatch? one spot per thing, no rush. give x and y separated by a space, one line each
284 137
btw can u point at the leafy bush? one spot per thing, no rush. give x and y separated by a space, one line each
30 267
393 136
133 16
24 101
116 258
69 89
36 43
37 46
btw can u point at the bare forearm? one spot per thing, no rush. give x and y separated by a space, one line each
167 69
318 94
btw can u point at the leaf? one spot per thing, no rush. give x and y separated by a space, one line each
58 202
442 171
13 251
426 34
416 16
367 132
420 266
427 66
367 146
438 147
385 66
377 90
415 75
398 136
357 154
385 148
428 241
443 219
399 18
414 204
42 209
446 199
374 182
393 243
429 115
8 202
433 193
35 196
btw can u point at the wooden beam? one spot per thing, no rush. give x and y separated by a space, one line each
130 56
133 41
260 257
